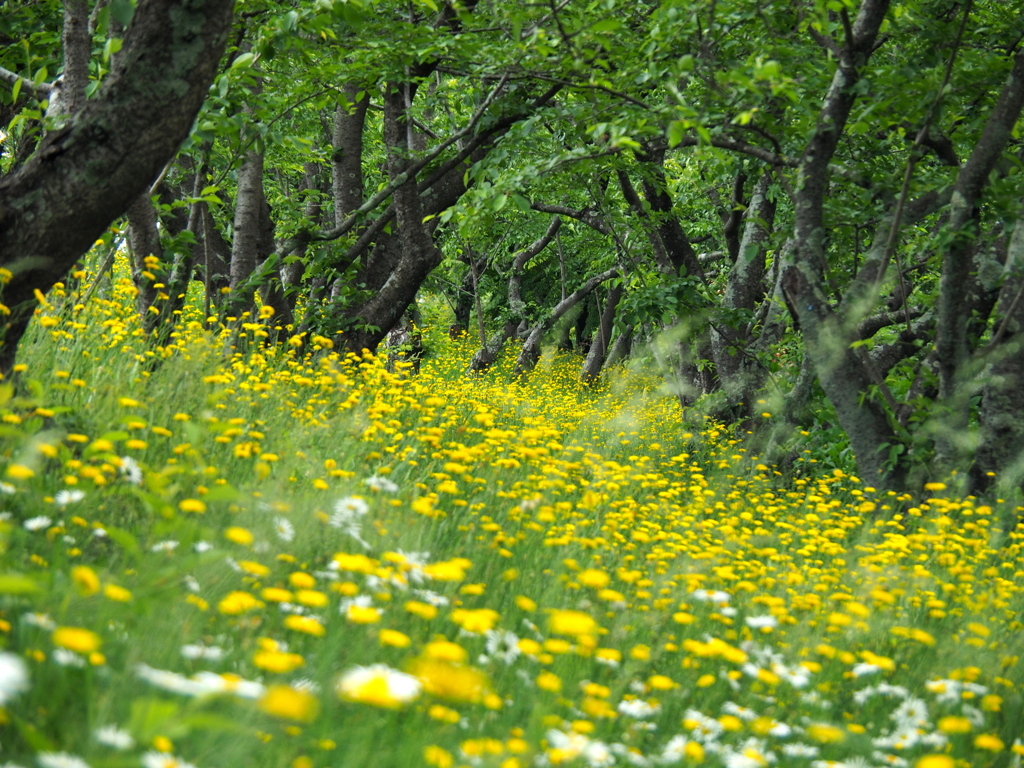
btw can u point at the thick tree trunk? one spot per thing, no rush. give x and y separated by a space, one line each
842 373
347 155
419 255
960 287
1000 451
85 174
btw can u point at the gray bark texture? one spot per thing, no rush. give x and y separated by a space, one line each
85 174
842 373
952 341
1000 448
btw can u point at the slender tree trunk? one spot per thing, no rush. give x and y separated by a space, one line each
602 337
146 258
530 353
738 371
77 43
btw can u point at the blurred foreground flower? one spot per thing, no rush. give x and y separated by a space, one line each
378 685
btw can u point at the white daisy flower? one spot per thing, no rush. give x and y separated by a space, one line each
60 760
13 677
37 523
131 470
65 497
377 483
113 737
154 759
284 529
200 651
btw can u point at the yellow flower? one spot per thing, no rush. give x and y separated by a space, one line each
362 614
563 622
549 681
116 593
823 733
192 505
19 472
989 741
76 639
526 603
423 610
277 661
478 621
277 595
306 624
85 579
238 535
954 724
379 686
438 757
452 682
593 578
394 638
238 602
445 650
934 761
289 703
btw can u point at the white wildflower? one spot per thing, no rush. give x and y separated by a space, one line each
284 529
37 523
113 737
377 483
13 677
65 497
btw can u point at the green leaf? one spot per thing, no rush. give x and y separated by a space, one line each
606 25
676 132
122 10
15 90
243 61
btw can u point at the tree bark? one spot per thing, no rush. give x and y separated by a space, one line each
841 372
738 371
530 353
602 337
85 174
1000 450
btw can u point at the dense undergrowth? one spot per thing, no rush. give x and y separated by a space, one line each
289 557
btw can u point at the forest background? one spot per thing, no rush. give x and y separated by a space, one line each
804 211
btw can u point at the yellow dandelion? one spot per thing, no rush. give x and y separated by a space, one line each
289 703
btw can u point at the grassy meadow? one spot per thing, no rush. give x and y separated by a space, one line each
282 556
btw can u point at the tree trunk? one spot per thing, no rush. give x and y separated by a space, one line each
530 353
840 370
419 255
146 259
249 204
1000 450
738 371
85 174
602 337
